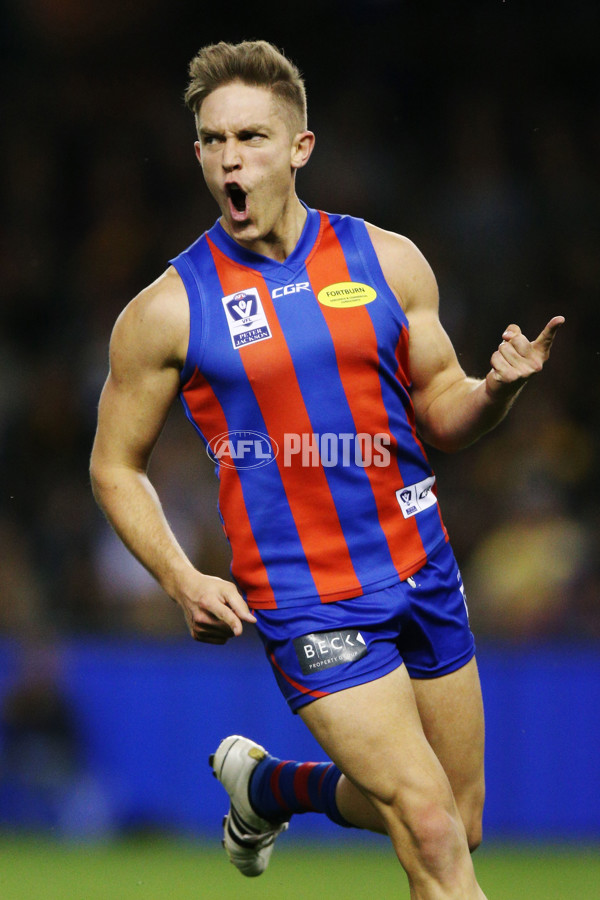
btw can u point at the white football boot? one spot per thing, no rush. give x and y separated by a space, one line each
248 839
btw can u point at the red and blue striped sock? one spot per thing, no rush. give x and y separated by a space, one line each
279 788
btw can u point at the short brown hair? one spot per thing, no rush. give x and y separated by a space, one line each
256 63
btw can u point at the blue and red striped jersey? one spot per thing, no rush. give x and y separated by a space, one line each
297 380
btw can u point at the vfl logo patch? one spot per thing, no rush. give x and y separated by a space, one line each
246 318
415 498
329 648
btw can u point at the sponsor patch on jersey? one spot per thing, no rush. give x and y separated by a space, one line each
329 648
246 318
414 498
345 294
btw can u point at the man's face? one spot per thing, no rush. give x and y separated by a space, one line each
248 153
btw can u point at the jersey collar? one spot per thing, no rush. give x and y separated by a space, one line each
278 271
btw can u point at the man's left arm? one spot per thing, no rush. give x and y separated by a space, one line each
453 410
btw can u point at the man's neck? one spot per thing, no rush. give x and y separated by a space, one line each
281 241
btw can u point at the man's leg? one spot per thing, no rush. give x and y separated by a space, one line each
451 711
373 733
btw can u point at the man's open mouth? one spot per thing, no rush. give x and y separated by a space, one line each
237 197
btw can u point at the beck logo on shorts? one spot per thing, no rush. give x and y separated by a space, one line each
328 648
246 318
415 498
345 294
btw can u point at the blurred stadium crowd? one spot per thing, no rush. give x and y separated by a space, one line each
472 128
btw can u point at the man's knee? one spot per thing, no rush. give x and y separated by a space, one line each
429 827
435 833
435 825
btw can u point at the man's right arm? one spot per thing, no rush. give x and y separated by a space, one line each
147 350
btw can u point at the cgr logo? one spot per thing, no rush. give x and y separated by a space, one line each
290 289
242 449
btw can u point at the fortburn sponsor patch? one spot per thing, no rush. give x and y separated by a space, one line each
329 648
346 294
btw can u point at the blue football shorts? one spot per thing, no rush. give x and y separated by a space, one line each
422 622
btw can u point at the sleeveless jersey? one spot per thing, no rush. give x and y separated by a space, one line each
297 380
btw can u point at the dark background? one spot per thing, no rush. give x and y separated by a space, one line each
473 128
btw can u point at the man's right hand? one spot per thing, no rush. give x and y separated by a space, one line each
214 610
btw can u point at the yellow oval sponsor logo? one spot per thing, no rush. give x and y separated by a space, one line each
345 294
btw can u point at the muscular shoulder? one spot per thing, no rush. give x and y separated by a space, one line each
154 326
405 268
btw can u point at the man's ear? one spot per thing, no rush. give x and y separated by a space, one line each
198 151
302 147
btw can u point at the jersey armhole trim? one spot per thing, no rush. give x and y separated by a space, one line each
368 254
198 324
